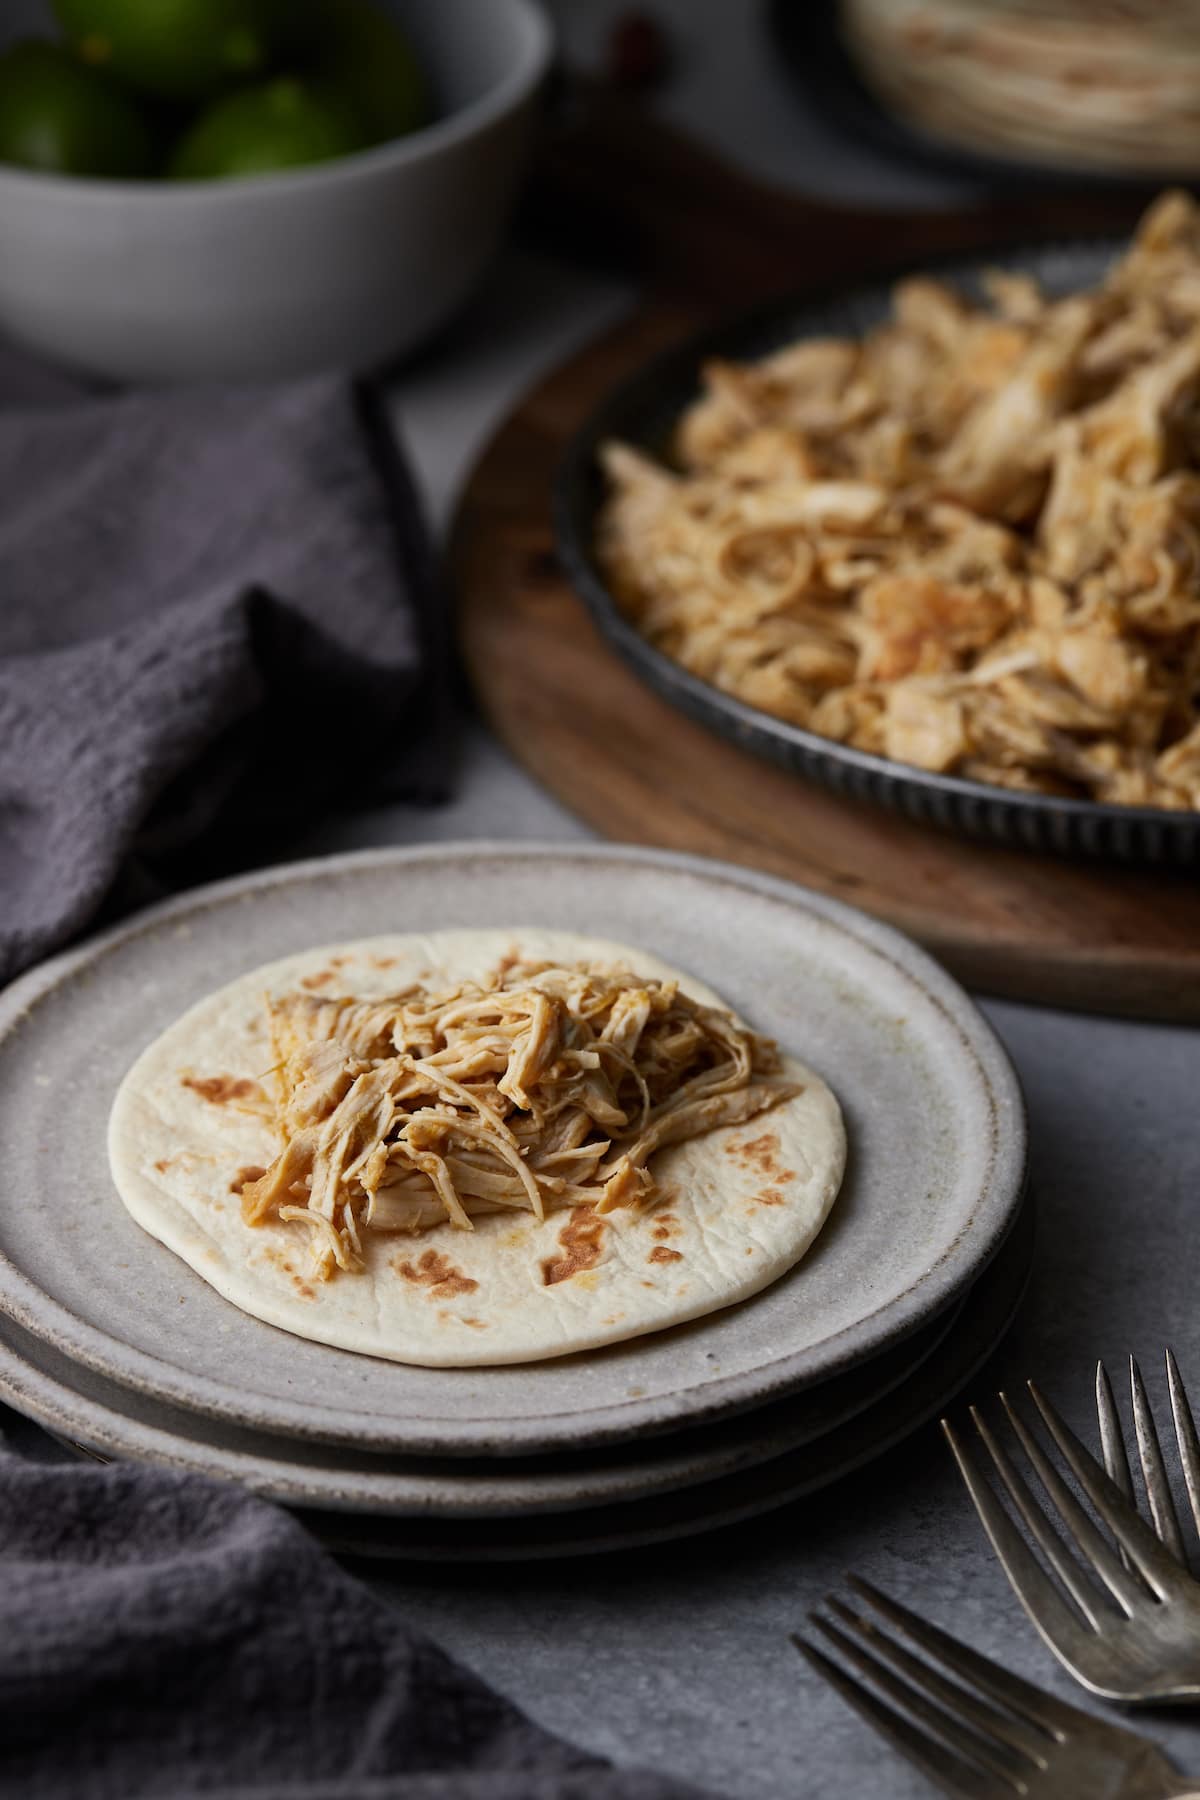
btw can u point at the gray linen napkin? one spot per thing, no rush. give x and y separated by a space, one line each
216 619
164 1637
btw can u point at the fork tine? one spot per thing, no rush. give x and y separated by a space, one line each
983 1753
1155 1565
925 1753
1185 1433
1112 1442
1112 1438
1088 1540
1154 1474
1029 1741
1032 1586
1025 1701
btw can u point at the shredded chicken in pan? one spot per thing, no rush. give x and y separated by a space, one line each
547 1087
969 541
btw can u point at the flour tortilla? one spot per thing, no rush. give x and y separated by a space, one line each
734 1209
1108 84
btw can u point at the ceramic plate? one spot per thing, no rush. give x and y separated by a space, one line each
933 1109
726 1499
89 1413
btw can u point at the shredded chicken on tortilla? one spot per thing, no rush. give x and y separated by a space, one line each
969 541
546 1087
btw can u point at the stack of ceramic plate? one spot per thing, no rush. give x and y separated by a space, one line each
116 1346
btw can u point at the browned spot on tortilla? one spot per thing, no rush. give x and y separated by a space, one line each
661 1232
760 1155
251 1172
383 962
758 1152
582 1238
302 1288
220 1088
318 980
339 962
163 1164
479 1324
661 1254
438 1274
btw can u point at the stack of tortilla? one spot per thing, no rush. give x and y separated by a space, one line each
1110 85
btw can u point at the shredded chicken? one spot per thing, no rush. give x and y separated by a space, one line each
970 542
544 1087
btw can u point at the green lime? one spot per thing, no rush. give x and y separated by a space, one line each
361 50
56 114
284 123
182 49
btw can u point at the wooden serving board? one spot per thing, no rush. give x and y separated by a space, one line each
1082 935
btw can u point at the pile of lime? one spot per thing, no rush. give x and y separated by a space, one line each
200 90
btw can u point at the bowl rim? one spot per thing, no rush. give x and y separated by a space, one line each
531 61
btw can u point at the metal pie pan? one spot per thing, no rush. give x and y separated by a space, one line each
934 1112
643 411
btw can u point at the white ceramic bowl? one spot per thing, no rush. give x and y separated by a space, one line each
344 263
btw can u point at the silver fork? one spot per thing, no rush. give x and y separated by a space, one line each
1127 1629
1150 1457
985 1734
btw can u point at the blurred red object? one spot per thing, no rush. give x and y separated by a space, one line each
639 52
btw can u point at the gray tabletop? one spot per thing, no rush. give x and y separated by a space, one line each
679 1657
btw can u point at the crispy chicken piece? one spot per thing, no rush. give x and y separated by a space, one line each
925 729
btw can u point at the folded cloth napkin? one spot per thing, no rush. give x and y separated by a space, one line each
165 1637
216 619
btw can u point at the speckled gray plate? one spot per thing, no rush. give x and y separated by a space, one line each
935 1119
94 1414
715 1496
